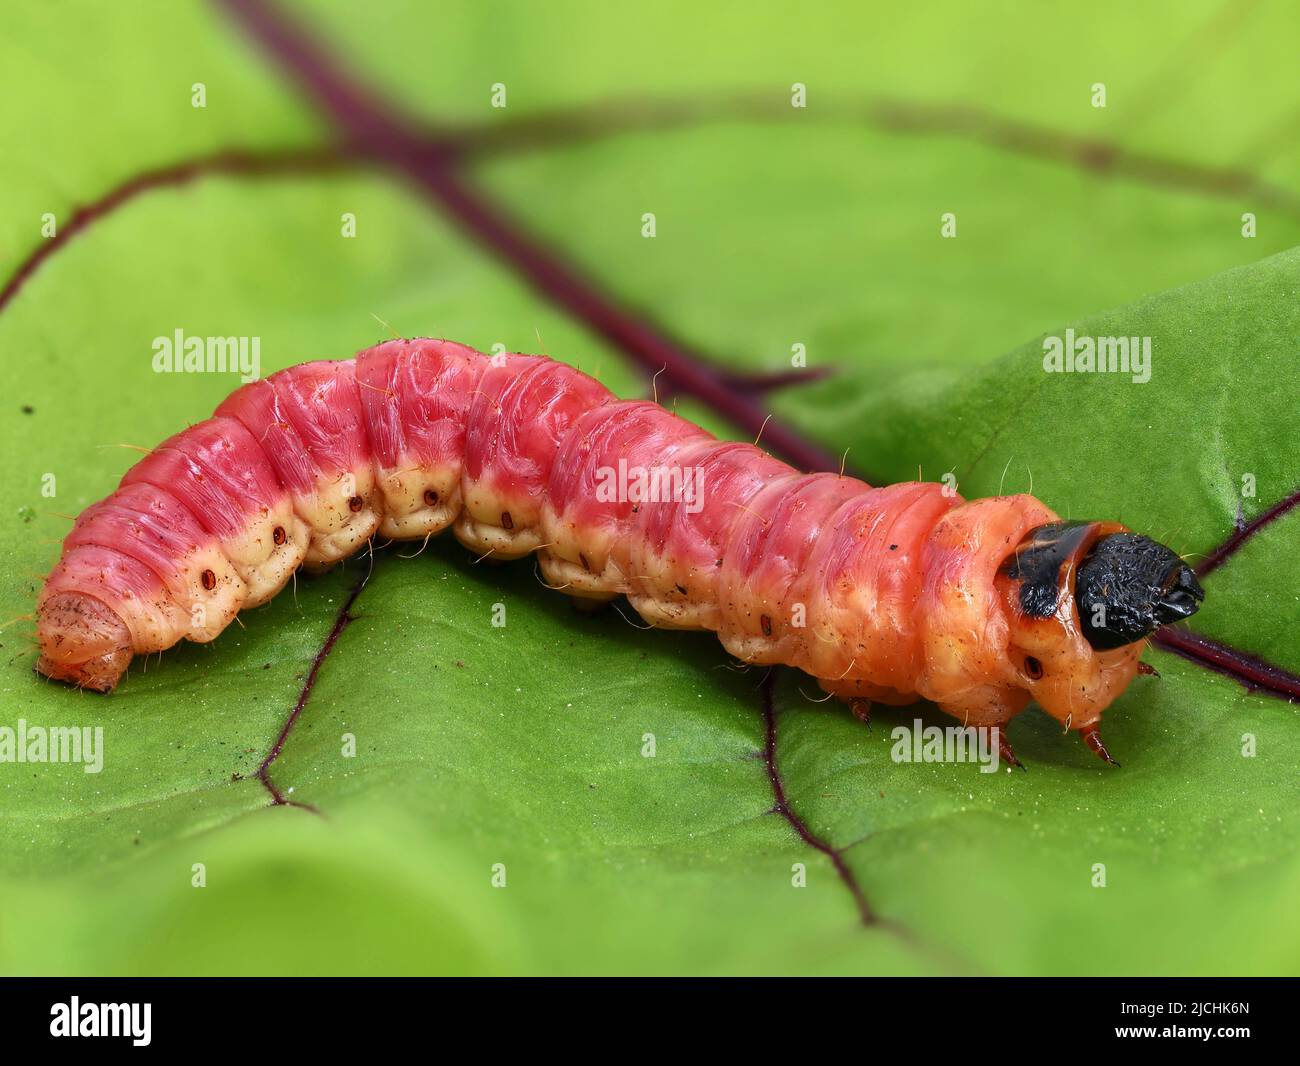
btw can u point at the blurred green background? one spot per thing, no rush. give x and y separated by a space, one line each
775 226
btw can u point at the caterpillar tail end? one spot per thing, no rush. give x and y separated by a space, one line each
83 643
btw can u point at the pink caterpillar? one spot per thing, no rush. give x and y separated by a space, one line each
882 594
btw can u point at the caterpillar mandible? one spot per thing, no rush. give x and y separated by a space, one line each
883 595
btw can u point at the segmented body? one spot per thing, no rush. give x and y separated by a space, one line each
885 593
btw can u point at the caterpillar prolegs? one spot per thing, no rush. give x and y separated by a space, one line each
882 594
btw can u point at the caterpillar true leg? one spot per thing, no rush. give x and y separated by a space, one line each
1093 740
885 595
1004 748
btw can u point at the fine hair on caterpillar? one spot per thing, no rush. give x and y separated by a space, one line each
884 595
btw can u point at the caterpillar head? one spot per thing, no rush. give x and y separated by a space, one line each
1081 598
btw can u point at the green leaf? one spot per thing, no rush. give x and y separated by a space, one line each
524 745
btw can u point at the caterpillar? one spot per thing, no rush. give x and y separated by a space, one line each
884 595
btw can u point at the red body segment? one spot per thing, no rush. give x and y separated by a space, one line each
417 397
590 510
323 404
862 582
257 408
523 408
148 524
679 544
764 617
215 470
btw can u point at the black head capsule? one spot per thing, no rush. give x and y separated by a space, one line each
1036 564
1128 586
